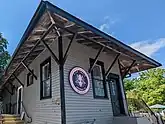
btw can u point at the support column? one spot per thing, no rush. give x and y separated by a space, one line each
62 86
123 89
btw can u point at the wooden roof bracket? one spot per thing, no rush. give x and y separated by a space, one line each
110 67
120 67
31 72
51 52
18 80
38 42
8 90
95 60
128 69
90 39
53 22
67 50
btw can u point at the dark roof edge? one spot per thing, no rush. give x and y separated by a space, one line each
74 19
38 13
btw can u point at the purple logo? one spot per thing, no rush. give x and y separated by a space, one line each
79 80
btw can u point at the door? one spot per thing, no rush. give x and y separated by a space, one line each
19 99
116 95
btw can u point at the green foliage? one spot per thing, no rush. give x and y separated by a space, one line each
4 55
150 86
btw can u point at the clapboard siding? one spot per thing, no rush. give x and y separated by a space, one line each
82 108
79 108
45 111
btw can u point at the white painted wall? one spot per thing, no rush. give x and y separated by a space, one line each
44 111
82 108
79 108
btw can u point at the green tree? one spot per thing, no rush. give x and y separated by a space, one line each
4 55
130 84
150 86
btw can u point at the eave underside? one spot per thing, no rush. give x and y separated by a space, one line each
58 25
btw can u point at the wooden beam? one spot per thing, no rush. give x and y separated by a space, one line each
57 31
70 25
49 49
110 67
128 69
66 53
120 69
29 70
95 60
8 90
34 38
53 22
61 80
51 18
37 43
18 80
93 40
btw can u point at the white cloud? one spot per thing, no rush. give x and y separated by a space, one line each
107 23
104 27
149 47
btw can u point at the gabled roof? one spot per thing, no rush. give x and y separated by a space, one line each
67 25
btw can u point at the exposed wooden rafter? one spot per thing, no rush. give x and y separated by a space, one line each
93 40
37 43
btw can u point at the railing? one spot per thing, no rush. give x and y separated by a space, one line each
29 119
138 108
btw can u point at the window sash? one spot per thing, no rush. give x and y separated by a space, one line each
45 79
99 91
99 87
100 76
46 71
46 88
29 79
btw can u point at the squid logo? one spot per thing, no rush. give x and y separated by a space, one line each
79 80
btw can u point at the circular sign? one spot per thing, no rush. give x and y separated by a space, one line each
79 80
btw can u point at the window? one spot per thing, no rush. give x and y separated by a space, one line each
98 80
29 79
45 77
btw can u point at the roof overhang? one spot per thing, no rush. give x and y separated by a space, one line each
46 24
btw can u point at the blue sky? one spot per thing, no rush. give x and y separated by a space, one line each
139 23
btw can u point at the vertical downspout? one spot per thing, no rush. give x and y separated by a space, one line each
62 86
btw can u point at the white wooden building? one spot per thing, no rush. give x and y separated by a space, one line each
65 71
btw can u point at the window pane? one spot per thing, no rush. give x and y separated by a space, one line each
97 72
45 72
113 87
30 79
99 88
46 88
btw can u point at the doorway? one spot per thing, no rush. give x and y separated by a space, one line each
116 95
19 99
